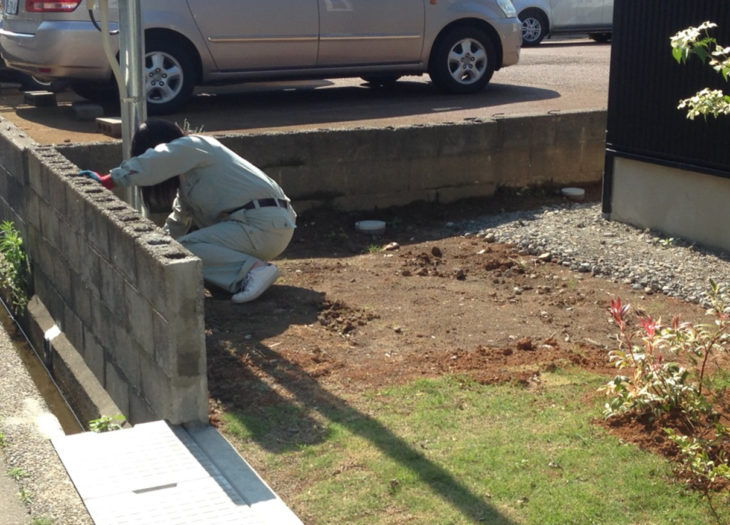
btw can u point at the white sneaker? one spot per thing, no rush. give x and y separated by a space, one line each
256 283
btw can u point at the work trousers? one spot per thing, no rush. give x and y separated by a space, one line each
230 248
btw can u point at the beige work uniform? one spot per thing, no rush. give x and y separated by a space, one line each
214 181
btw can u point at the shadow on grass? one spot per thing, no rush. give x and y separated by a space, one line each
279 396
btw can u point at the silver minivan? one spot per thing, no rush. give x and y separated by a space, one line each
459 43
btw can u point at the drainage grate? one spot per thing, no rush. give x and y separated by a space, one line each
156 474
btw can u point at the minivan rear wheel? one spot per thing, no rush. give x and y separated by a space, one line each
168 74
463 60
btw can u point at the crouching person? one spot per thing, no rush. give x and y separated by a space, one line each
243 219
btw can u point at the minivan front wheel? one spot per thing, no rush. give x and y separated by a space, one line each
463 60
534 27
168 75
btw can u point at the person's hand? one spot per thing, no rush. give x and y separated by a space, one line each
104 180
90 174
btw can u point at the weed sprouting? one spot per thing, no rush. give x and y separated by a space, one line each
14 267
17 473
107 423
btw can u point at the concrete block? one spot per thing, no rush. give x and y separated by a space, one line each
97 228
57 185
125 354
140 410
39 98
156 388
71 247
75 207
86 110
121 251
118 388
141 318
172 270
110 126
112 294
51 227
164 351
94 355
190 401
44 259
102 325
13 146
90 269
73 327
37 175
16 194
32 209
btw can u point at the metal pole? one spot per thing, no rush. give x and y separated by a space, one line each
133 102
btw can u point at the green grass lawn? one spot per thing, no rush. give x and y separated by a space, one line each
450 451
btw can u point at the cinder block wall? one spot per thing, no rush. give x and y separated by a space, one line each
128 298
364 169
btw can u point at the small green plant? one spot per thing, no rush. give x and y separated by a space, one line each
3 440
17 473
697 41
107 423
42 521
14 267
25 496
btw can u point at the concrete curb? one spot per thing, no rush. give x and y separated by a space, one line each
84 393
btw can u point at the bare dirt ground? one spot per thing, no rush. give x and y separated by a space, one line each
354 313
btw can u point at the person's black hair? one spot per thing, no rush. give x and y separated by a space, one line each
150 134
153 133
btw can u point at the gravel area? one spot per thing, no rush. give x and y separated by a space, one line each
576 235
42 492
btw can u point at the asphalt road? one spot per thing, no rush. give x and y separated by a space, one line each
557 75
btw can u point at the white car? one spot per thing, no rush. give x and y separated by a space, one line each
459 43
541 18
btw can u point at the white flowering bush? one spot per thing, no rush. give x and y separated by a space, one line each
699 42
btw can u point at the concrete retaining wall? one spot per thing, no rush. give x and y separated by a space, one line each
130 300
364 169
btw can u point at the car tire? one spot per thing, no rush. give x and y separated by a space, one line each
601 38
463 60
381 81
534 27
169 76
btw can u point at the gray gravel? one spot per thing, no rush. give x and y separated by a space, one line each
43 492
577 236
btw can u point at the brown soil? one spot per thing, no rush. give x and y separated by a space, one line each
429 302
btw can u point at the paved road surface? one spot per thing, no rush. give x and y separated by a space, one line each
562 75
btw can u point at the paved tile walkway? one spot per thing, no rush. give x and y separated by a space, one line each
157 474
